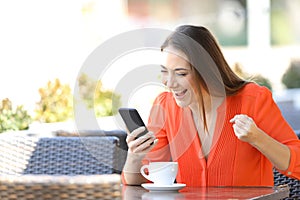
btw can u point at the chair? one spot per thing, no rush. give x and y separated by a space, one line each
122 151
88 133
58 155
59 167
298 133
294 184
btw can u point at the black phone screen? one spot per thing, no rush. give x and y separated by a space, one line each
132 119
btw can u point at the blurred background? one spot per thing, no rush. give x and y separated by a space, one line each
43 45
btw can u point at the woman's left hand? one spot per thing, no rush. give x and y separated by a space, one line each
245 128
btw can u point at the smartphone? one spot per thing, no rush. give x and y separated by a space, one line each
132 120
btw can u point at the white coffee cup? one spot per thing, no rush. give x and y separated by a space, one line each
160 173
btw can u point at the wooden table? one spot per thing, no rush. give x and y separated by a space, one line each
229 193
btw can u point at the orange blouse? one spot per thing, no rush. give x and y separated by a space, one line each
231 162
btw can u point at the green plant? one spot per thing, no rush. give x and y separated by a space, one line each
263 81
291 78
259 79
105 102
13 119
56 103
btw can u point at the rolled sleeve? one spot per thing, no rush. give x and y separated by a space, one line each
294 166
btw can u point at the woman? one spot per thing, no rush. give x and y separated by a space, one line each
222 130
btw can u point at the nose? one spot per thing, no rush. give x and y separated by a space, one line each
171 81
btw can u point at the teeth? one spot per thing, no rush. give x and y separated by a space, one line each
180 93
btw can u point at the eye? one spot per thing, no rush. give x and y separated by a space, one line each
163 69
181 74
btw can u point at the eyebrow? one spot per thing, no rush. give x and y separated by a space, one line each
177 69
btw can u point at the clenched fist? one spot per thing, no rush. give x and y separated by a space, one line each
245 128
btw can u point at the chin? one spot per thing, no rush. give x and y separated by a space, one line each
182 104
185 102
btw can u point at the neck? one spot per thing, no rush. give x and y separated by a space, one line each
196 107
211 104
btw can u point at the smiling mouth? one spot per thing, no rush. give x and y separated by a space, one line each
180 94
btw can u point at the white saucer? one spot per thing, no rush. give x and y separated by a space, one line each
153 187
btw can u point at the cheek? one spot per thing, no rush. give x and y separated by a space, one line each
192 87
187 83
193 83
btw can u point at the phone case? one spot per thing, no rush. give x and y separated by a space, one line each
132 119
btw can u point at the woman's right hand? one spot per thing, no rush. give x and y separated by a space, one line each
137 149
142 144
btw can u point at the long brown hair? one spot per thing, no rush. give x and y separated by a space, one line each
212 71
